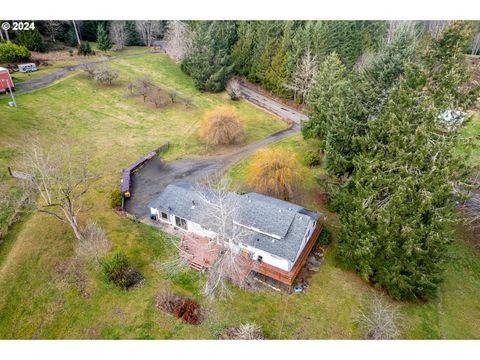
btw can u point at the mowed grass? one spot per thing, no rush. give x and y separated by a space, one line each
39 298
335 294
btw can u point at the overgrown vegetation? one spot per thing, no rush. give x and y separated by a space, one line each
120 272
12 53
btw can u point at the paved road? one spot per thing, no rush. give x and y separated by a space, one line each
51 78
273 106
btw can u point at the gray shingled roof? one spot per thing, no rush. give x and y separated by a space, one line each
287 222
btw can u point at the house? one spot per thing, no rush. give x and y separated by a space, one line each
6 82
276 234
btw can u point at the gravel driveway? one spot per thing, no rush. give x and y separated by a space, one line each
49 79
155 176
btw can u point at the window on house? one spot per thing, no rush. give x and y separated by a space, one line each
164 216
181 223
260 258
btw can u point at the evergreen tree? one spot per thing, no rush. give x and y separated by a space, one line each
335 115
398 209
209 63
31 39
132 35
103 39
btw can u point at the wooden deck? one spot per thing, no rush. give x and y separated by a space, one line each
288 277
201 253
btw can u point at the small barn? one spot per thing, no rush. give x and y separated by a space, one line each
6 82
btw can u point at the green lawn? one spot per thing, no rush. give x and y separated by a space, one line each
40 299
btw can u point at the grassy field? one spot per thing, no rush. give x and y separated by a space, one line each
46 294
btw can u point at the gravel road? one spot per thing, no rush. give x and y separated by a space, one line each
51 78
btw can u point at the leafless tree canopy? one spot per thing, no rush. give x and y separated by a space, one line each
380 320
395 25
220 211
436 27
54 28
118 34
178 40
94 243
476 44
60 178
148 30
303 76
233 89
247 331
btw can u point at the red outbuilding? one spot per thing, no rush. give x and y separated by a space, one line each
5 81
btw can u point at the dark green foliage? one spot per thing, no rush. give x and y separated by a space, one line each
31 39
89 29
120 272
133 39
11 53
397 208
311 158
103 40
209 63
71 38
325 237
85 49
266 51
335 116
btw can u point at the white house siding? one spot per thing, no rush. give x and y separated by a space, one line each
268 258
310 229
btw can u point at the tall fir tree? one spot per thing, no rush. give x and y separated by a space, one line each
209 63
103 39
398 207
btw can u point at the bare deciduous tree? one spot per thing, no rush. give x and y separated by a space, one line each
148 30
60 178
221 209
380 320
247 331
53 28
157 97
395 25
178 40
143 86
303 76
94 243
105 74
436 27
118 34
476 44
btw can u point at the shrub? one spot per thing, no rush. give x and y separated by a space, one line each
116 198
31 39
325 237
222 126
311 158
248 331
167 301
11 53
94 243
273 172
105 75
189 311
119 271
233 89
380 320
85 49
89 69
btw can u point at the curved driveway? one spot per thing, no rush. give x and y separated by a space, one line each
153 177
